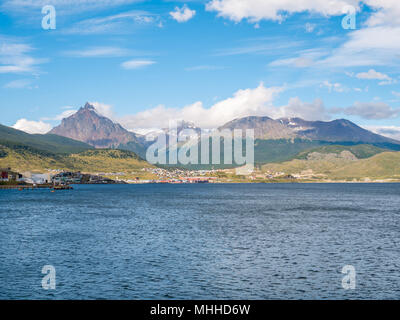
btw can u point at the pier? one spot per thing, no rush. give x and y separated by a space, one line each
26 187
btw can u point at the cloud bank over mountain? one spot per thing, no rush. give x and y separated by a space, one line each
257 101
32 126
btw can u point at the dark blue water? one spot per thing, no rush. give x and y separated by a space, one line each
237 241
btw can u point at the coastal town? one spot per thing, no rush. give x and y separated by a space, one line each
9 177
60 177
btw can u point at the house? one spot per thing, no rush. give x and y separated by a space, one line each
3 175
67 177
36 178
7 175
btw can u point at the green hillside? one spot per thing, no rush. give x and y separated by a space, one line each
47 143
29 159
361 151
134 147
107 160
266 151
381 166
321 167
342 166
99 160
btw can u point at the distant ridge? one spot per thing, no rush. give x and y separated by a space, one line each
46 143
288 128
264 127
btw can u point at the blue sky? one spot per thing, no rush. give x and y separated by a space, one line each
145 62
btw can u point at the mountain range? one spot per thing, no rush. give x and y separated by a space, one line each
275 140
288 128
88 126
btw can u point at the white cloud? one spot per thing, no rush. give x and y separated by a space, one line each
374 43
374 75
276 10
257 101
32 126
387 12
337 87
310 27
98 52
372 110
387 131
15 58
245 102
305 58
182 14
105 110
18 84
305 110
371 38
372 46
121 23
395 93
135 64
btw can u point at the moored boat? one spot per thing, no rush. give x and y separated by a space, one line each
62 187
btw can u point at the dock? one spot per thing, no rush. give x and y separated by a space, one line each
34 187
26 187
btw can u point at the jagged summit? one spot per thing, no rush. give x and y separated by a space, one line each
88 106
87 125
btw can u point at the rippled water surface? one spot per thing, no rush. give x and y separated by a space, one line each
238 241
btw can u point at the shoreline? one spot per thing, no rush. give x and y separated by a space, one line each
14 187
27 187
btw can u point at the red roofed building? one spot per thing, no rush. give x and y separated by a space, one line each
7 175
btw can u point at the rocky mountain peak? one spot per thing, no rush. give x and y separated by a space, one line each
88 126
88 106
